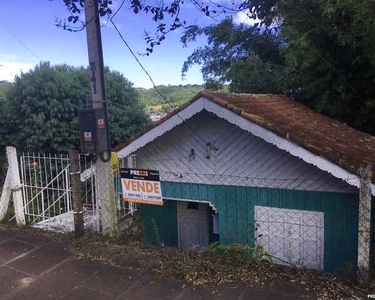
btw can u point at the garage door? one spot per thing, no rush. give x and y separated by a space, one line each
294 236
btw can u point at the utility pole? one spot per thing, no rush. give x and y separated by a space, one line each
104 181
364 223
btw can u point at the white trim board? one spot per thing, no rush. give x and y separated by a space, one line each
245 124
164 127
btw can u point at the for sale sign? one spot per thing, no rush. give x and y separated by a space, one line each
141 186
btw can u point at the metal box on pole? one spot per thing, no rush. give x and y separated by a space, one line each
93 131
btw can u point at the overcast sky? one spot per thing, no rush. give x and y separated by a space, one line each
28 35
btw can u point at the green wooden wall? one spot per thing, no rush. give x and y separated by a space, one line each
235 206
160 223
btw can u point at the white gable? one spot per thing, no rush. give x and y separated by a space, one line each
197 138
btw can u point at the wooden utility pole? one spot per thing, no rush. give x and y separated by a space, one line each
104 181
364 223
75 176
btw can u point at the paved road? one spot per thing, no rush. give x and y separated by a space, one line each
35 267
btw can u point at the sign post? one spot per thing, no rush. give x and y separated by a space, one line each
141 186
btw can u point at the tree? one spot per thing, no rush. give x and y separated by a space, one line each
166 14
245 56
4 85
40 112
321 54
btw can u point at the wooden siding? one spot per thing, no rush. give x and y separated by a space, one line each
235 206
160 223
241 159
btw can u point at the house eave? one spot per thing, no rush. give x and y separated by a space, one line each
237 119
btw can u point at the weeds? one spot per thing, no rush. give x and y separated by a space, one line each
257 253
184 270
156 232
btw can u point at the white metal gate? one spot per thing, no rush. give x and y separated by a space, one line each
46 190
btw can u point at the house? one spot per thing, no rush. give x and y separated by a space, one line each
256 169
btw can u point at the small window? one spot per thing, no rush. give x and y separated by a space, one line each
193 205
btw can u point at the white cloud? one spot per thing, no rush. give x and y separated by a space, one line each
243 18
8 70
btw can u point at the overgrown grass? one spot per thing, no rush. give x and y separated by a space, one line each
256 253
154 107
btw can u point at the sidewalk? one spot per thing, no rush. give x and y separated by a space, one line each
36 267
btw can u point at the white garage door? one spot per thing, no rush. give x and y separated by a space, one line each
294 236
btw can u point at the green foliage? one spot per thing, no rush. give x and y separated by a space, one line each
175 94
185 267
246 58
4 86
156 232
40 111
231 250
321 54
257 253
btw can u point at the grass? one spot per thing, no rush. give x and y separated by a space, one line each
155 107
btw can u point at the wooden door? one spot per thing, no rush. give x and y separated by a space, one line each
193 222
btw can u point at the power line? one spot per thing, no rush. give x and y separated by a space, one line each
16 37
74 83
32 52
149 76
39 58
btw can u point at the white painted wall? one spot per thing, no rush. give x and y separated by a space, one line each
241 158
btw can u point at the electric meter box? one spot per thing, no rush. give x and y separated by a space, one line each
94 131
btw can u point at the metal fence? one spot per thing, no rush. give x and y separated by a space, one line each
5 201
46 190
90 181
308 228
330 231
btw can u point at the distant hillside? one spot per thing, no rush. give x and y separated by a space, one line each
176 95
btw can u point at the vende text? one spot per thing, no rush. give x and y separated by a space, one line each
139 186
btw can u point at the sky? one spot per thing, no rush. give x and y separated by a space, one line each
29 35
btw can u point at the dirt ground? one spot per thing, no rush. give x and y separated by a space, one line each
35 265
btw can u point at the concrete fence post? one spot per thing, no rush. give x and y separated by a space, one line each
364 223
75 176
16 185
105 195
